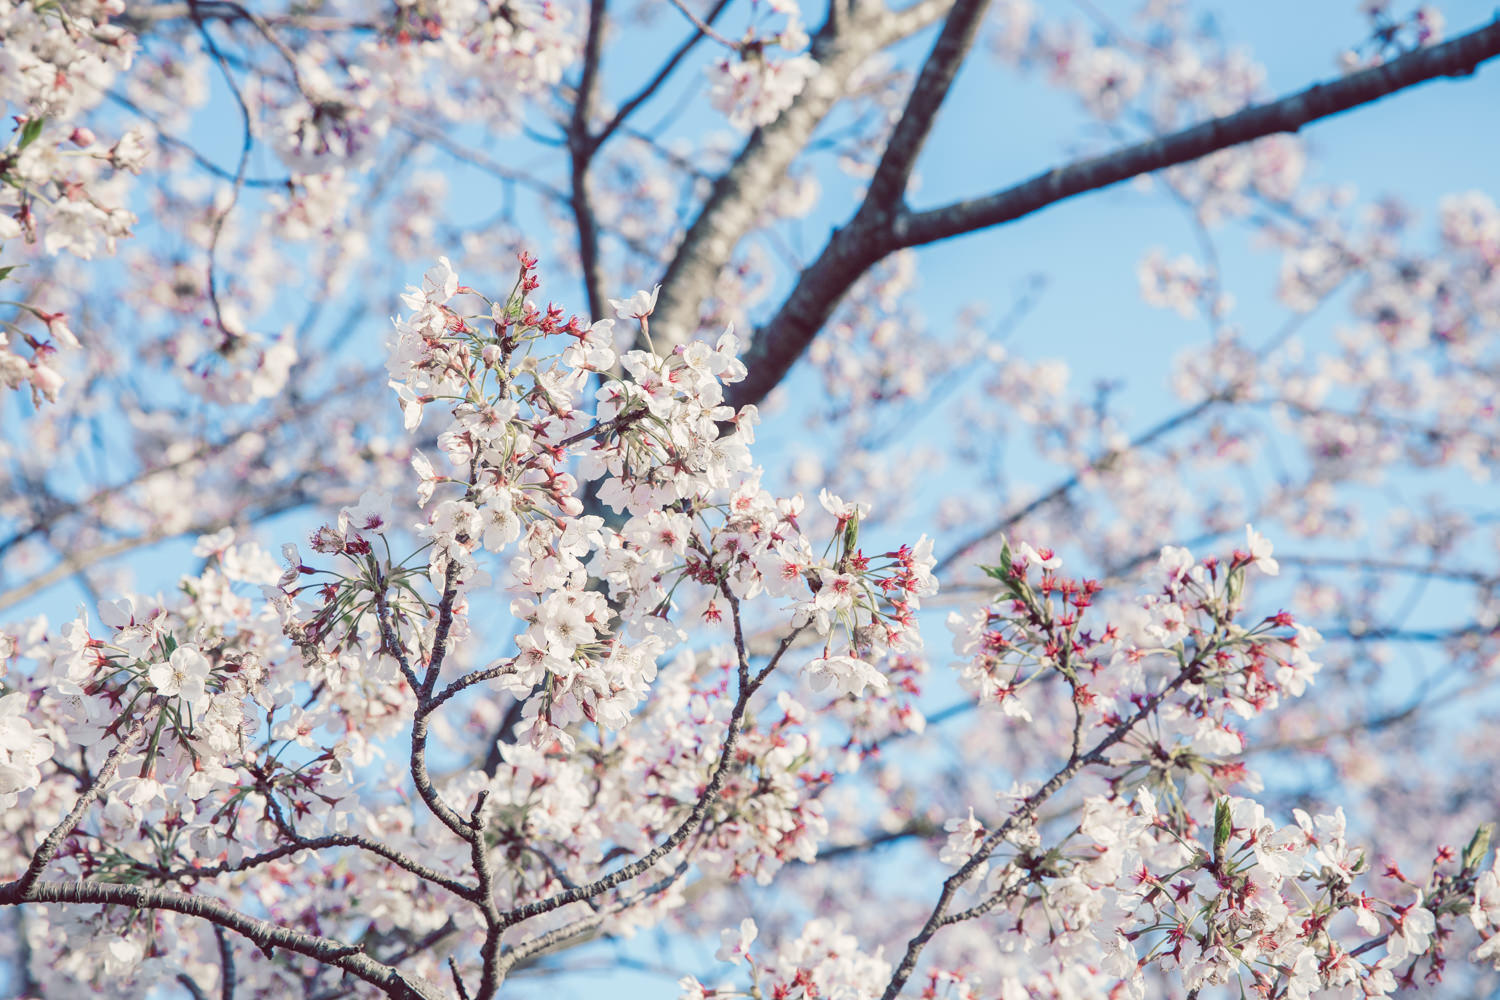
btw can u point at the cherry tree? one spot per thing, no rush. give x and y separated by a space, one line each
667 583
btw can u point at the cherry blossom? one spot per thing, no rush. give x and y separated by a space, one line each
602 633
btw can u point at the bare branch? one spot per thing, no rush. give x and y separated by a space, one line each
887 189
854 249
913 18
581 147
1459 57
226 964
247 142
203 161
458 982
617 423
467 681
422 689
644 94
1435 570
704 28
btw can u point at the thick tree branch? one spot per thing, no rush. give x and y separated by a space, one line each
854 249
1459 57
581 148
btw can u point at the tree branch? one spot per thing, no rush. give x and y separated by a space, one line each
939 917
739 196
695 818
581 146
49 847
1459 57
226 964
887 189
853 250
263 933
298 844
641 96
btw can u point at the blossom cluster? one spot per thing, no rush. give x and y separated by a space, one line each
754 88
454 60
663 454
1135 887
240 726
61 185
824 960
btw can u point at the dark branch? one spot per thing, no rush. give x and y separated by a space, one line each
1459 57
739 196
870 236
641 96
581 147
887 188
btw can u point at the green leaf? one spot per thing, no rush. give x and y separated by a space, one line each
1001 572
30 131
1479 846
851 534
1223 826
5 271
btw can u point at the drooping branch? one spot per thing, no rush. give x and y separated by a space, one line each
872 235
